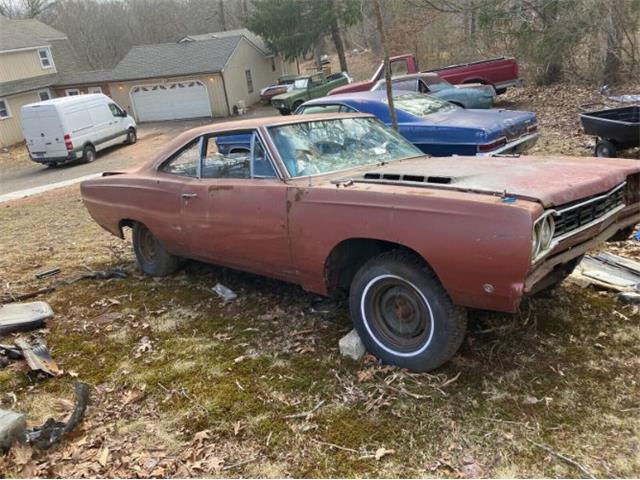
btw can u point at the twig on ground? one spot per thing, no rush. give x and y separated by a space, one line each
239 464
564 458
333 445
8 298
308 414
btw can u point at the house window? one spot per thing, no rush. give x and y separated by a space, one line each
95 89
45 58
4 109
72 91
249 81
44 95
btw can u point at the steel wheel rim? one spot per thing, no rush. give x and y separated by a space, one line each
91 156
132 137
147 245
397 315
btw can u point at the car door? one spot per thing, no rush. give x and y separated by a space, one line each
236 212
166 197
117 121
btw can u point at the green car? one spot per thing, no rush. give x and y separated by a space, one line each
308 87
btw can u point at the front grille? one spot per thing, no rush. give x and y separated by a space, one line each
574 216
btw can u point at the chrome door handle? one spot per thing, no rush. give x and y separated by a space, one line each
189 195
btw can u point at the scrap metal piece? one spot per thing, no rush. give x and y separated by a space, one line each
52 431
39 358
609 271
48 273
20 317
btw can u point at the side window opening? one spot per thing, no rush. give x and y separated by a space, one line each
236 155
185 162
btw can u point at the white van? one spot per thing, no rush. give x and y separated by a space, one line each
64 129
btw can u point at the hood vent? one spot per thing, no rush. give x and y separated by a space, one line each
396 177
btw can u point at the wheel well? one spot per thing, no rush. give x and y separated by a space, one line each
348 256
125 223
476 80
88 144
458 104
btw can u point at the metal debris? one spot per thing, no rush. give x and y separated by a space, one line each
224 292
52 431
38 358
20 317
48 273
609 271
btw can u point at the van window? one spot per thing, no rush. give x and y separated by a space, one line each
116 111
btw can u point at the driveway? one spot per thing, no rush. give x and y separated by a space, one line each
21 177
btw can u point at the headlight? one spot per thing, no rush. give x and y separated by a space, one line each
543 231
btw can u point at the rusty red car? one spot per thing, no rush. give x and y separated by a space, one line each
339 203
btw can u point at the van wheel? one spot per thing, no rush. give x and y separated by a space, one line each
131 137
152 257
403 314
88 154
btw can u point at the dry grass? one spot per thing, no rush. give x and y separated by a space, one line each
563 372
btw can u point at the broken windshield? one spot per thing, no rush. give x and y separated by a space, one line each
324 146
422 105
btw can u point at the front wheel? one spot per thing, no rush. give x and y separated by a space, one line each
132 137
403 314
153 259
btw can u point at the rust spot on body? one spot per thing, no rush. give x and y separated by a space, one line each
220 187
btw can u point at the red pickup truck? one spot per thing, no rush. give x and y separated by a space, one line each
501 73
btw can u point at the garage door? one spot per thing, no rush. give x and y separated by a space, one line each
170 101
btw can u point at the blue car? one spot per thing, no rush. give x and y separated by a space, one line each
439 128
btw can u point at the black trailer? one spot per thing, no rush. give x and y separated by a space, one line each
616 129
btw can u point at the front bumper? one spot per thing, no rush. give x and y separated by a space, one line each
585 241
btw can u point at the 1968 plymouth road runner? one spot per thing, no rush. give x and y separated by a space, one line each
340 203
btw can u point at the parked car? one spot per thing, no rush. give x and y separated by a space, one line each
344 204
306 87
285 83
437 127
61 130
471 95
501 73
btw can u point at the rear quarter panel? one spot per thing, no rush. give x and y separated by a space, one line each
152 201
469 240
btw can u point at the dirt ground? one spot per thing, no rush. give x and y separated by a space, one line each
183 384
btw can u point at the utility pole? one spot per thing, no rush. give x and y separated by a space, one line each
387 64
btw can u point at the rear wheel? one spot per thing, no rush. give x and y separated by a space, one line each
88 154
403 314
153 259
605 148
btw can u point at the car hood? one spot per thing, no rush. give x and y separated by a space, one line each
551 181
489 124
352 87
287 95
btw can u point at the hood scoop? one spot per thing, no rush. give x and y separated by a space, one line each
399 177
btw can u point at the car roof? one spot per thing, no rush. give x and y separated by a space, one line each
244 124
70 100
375 96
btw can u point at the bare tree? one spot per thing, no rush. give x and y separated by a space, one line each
387 64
